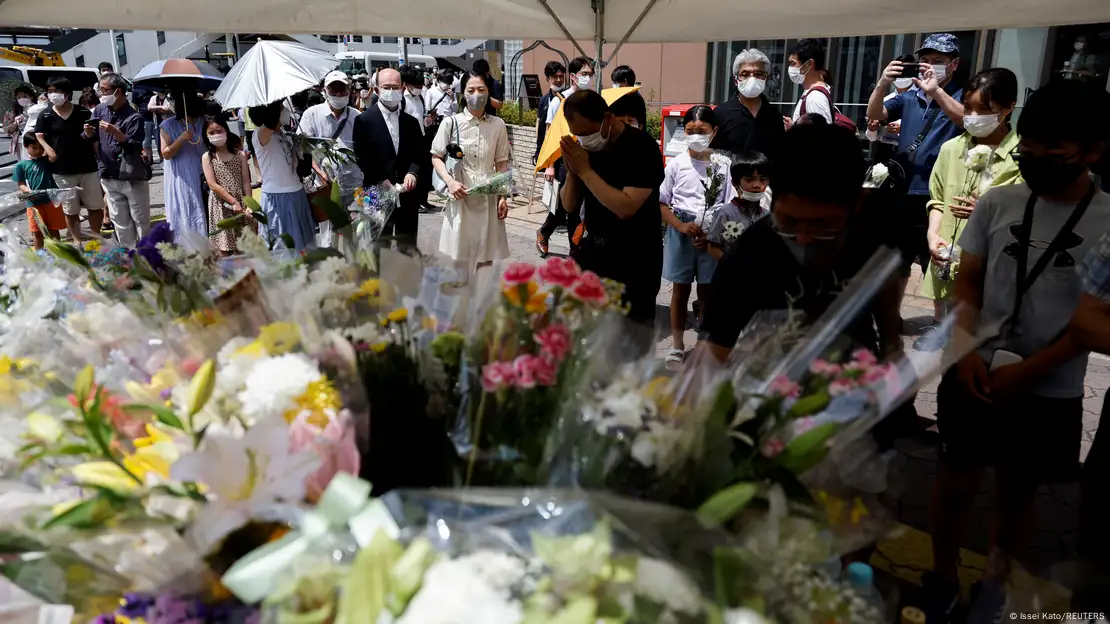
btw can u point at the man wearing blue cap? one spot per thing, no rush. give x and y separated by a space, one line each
931 112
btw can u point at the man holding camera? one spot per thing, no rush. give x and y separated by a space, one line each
931 112
117 129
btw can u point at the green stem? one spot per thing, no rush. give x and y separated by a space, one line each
102 445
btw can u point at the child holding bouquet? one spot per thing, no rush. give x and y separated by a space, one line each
36 174
968 166
694 181
750 174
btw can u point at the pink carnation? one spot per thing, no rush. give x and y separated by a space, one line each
555 341
545 371
840 387
785 388
497 375
590 290
865 358
824 368
518 273
874 375
562 272
334 445
772 447
524 370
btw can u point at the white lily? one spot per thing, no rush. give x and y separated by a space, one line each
244 476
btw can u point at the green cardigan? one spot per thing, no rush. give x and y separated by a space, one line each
950 178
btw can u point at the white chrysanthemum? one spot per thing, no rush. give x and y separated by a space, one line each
252 244
476 587
367 332
100 321
662 582
274 384
977 157
732 231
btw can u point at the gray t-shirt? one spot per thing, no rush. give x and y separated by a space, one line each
992 233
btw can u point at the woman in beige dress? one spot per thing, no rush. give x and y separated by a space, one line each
473 229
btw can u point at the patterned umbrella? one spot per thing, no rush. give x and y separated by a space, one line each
170 73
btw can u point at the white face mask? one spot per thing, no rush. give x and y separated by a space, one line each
108 100
285 117
616 86
217 139
940 72
338 102
1079 45
980 126
584 82
751 87
57 99
390 98
593 142
698 142
444 86
24 102
418 91
477 101
752 197
903 83
796 75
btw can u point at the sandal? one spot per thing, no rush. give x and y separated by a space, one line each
675 358
541 244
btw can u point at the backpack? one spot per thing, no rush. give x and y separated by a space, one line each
839 119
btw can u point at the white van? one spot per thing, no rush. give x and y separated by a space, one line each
80 77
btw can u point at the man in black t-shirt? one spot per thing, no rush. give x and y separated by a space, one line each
815 240
749 122
62 126
615 170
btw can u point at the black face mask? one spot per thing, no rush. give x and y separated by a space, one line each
1046 176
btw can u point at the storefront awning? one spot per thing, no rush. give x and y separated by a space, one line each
640 20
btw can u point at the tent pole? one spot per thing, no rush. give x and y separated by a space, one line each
632 29
563 28
599 40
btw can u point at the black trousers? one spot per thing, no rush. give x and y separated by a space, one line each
1093 590
404 221
557 218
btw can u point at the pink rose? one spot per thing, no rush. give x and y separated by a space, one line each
497 375
555 341
562 272
772 447
334 445
865 358
874 375
824 368
590 290
518 273
524 370
785 388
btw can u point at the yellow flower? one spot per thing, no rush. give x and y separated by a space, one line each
153 457
154 435
370 290
11 387
43 427
399 315
379 347
274 339
92 246
320 397
535 302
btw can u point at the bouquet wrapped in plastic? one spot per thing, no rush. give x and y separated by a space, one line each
499 184
372 208
527 345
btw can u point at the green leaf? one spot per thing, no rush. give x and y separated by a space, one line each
256 209
724 505
288 240
368 583
338 216
227 224
66 252
808 449
165 415
83 384
83 514
74 449
809 405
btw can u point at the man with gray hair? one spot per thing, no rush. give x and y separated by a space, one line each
117 129
748 122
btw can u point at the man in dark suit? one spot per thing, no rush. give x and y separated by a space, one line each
389 146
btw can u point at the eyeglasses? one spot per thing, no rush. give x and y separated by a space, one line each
790 228
761 75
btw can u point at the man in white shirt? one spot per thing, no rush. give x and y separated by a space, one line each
581 79
335 119
440 97
413 82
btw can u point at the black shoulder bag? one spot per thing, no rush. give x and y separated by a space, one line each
903 161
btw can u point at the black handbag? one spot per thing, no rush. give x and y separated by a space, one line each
133 167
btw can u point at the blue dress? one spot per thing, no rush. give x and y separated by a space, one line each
184 179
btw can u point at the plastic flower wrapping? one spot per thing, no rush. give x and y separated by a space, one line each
499 184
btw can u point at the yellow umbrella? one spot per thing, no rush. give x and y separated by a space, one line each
550 152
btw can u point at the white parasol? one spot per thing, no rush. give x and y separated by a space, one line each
273 70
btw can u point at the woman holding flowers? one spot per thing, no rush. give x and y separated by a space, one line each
695 181
473 230
968 166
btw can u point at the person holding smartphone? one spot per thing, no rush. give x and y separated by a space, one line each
1015 402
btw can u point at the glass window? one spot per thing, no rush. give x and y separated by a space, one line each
1081 53
121 50
9 73
80 60
854 71
161 34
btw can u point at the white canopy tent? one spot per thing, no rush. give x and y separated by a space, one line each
591 24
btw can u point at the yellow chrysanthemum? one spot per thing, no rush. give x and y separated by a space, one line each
399 315
274 339
11 387
370 290
320 397
379 347
92 246
534 301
